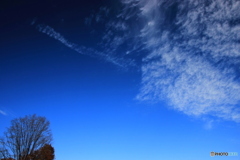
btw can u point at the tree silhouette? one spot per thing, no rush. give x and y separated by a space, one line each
26 137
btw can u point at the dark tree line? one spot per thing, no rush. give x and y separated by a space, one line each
28 138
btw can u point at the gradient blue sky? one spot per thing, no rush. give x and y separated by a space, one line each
125 80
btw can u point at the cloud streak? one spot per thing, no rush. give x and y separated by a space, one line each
118 61
3 113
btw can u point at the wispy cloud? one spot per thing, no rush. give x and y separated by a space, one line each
3 113
190 51
100 16
119 61
208 124
119 38
193 55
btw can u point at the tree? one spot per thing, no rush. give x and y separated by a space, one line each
25 137
44 153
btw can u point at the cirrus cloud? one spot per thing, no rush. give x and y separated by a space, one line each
189 51
193 56
3 113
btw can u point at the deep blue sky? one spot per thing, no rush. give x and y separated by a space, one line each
124 80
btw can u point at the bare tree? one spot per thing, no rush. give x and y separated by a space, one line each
24 136
4 153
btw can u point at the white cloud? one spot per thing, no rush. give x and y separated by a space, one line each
212 28
83 50
191 85
52 33
193 56
191 52
3 113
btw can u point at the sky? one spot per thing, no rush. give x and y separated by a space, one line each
125 79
